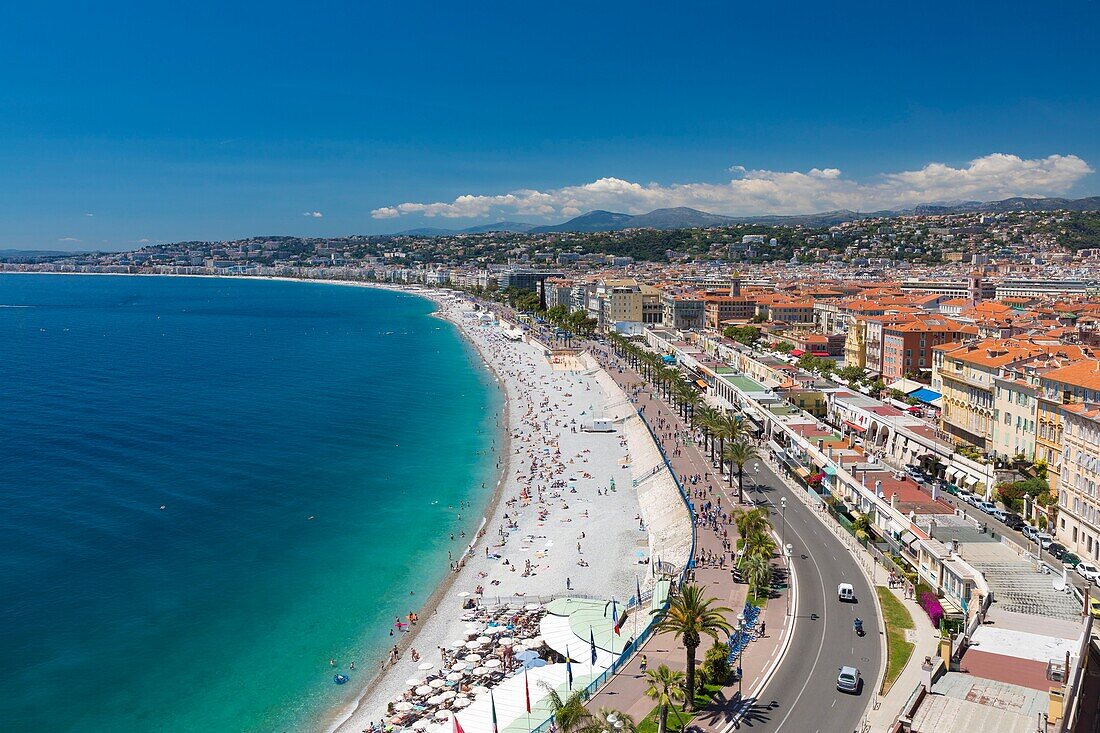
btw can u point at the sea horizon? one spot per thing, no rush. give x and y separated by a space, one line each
206 483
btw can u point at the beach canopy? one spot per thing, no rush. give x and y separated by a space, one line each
435 699
479 690
472 644
484 639
421 724
454 676
532 663
472 658
532 606
490 663
460 702
481 670
448 694
403 706
412 682
437 683
527 655
425 666
442 714
423 690
459 666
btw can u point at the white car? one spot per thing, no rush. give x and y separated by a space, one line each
1088 571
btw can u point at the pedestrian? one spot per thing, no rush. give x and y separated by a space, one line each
763 629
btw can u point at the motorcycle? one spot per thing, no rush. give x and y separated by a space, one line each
858 624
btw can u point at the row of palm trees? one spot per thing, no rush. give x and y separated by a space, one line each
724 434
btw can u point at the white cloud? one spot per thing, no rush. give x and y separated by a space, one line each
144 240
990 177
313 214
89 214
68 239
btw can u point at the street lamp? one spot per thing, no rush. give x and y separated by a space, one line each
788 551
740 650
783 512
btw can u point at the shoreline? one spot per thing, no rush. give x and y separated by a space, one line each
431 606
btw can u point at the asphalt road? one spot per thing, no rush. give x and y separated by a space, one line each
802 695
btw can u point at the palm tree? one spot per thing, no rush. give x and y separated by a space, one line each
706 418
750 522
609 719
569 713
667 688
758 571
688 617
740 453
728 428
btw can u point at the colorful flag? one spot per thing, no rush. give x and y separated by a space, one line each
527 691
568 670
638 589
615 617
592 643
457 725
493 704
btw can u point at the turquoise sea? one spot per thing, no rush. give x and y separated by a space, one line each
311 446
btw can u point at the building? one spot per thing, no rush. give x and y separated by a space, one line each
1015 412
1078 522
973 288
1075 383
907 346
1038 288
683 312
721 308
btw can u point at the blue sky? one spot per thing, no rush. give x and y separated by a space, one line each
163 122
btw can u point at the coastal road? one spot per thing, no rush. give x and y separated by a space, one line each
802 695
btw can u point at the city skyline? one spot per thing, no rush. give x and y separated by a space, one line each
119 129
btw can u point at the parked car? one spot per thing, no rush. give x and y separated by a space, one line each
1070 560
986 506
1088 571
1059 551
847 680
1014 521
1044 539
999 514
1094 607
1029 532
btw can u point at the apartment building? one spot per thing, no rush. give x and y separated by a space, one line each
1015 411
907 346
1076 383
683 311
721 308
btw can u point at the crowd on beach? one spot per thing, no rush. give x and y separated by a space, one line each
561 492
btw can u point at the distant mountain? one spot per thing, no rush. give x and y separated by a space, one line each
500 226
686 218
593 221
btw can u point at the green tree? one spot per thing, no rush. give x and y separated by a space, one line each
728 428
688 617
569 713
666 687
738 454
758 572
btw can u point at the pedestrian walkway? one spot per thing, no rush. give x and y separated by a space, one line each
626 690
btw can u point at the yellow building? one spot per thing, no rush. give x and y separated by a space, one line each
855 345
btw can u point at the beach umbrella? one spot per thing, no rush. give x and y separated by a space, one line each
422 690
472 644
532 663
412 682
435 699
507 640
437 683
463 594
459 643
448 694
483 640
527 655
481 670
532 607
472 658
425 666
460 702
420 724
403 706
459 666
479 689
496 630
454 676
491 663
442 714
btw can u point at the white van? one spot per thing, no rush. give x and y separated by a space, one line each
845 592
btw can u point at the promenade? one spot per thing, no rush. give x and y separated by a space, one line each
626 690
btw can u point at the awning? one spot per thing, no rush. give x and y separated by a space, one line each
970 480
802 473
797 352
775 447
951 473
820 353
855 426
701 384
907 538
829 471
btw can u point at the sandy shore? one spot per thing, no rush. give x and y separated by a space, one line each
563 536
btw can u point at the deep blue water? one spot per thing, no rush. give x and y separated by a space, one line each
311 445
